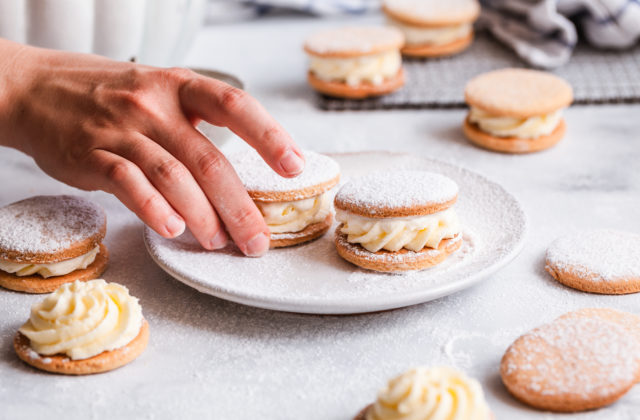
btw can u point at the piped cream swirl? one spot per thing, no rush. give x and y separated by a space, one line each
294 216
436 36
395 233
52 269
439 393
83 319
353 71
525 128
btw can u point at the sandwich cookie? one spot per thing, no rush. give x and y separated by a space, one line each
355 62
433 28
597 261
397 221
46 241
436 393
516 110
83 328
581 361
296 209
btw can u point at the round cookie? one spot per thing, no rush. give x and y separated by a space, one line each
51 230
597 261
573 364
516 110
397 197
355 62
427 50
269 190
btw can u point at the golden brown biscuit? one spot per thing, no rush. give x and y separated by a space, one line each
103 362
427 50
361 91
597 261
37 284
311 232
575 363
351 42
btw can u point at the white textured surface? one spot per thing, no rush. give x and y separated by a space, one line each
209 358
354 40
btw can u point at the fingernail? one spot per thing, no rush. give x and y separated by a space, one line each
219 241
175 225
258 245
292 163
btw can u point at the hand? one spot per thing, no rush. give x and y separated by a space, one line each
129 130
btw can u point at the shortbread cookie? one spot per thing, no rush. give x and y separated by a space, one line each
397 221
296 209
597 261
355 62
433 28
574 363
46 241
105 333
429 393
516 110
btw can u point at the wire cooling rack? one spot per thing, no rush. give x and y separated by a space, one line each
597 77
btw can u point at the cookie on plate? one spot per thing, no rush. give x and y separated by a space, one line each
516 110
433 28
296 209
46 241
598 261
580 361
429 393
104 333
397 221
355 62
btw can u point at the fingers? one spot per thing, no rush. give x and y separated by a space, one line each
223 105
127 182
174 181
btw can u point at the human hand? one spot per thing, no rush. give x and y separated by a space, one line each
128 129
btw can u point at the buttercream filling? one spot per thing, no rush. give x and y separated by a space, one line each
294 216
395 233
83 319
353 71
439 393
436 36
525 128
52 269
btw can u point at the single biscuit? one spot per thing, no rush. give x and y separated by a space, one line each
361 91
311 232
432 13
626 320
572 364
48 229
103 362
402 260
37 284
513 144
353 42
597 261
427 50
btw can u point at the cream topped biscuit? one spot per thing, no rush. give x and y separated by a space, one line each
296 209
83 326
516 110
355 62
46 241
397 221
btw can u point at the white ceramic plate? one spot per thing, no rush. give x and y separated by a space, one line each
312 278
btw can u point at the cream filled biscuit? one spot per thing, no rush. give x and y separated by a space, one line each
298 209
516 110
83 328
46 241
397 221
355 62
429 393
433 28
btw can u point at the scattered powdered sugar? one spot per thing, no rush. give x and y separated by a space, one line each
601 254
48 224
354 40
256 175
398 189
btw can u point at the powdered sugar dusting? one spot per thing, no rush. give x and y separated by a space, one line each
398 189
48 224
256 175
600 255
354 39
